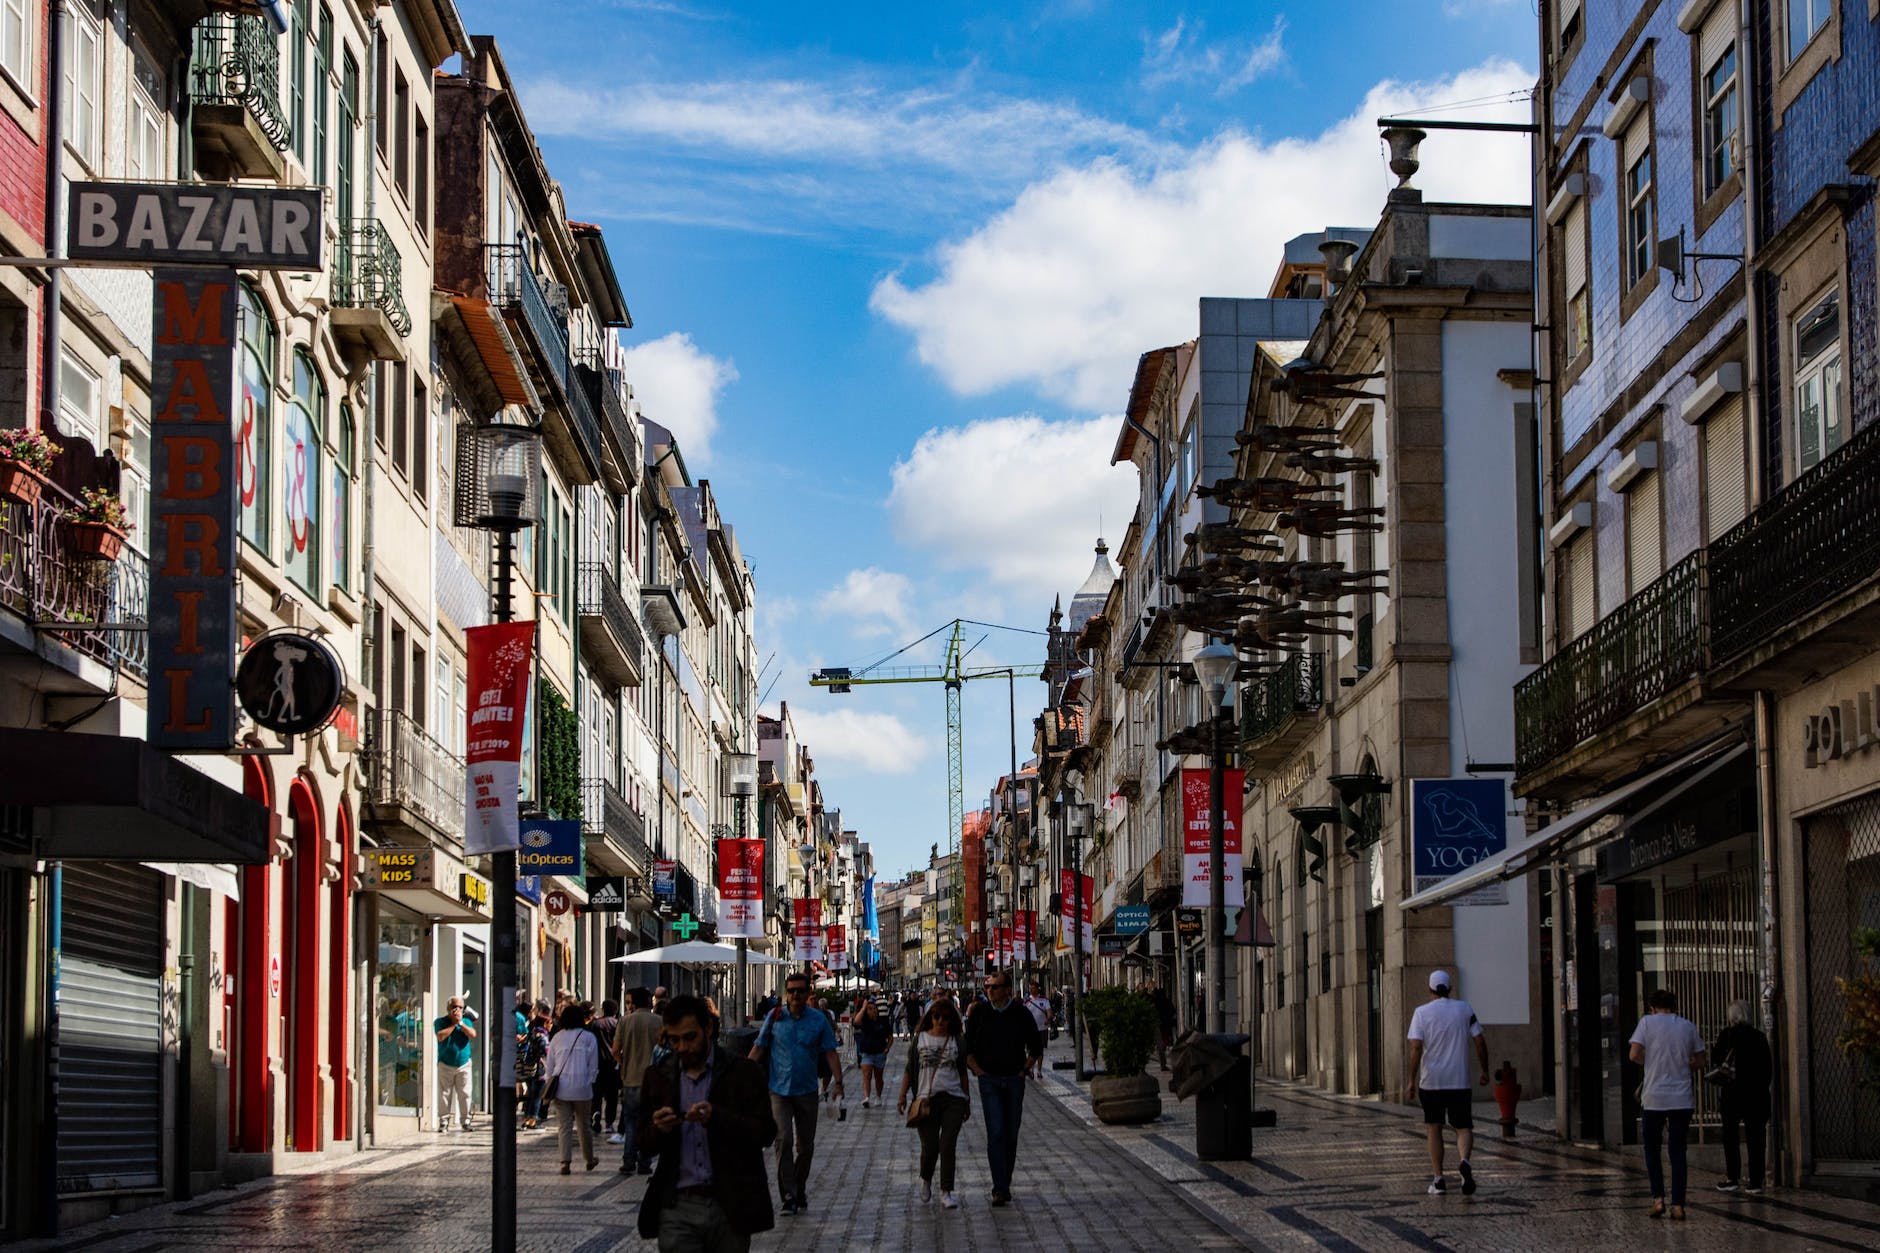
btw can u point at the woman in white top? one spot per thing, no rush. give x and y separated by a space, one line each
574 1063
937 1061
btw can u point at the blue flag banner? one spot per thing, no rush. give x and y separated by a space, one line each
870 924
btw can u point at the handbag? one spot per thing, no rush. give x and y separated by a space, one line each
921 1107
554 1080
1724 1072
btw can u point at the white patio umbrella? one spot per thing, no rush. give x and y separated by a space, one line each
699 953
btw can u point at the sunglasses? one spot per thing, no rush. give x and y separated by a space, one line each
799 991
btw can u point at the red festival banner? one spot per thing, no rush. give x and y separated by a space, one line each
499 667
836 941
1069 914
1025 934
741 889
807 911
1198 837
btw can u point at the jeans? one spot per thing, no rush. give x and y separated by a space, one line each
1756 1132
630 1127
796 1142
696 1224
1003 1099
532 1097
940 1136
453 1082
1679 1121
572 1116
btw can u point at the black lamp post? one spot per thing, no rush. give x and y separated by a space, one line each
498 490
1214 667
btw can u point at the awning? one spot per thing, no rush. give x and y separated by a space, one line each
476 330
1550 842
213 878
115 798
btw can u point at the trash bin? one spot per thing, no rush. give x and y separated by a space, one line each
1223 1108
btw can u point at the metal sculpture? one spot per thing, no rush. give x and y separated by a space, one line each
1323 520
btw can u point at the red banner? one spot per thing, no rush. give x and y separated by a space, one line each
836 944
499 667
1071 915
807 911
1025 934
1002 946
741 889
1198 837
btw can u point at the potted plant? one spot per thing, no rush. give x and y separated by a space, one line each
25 461
1126 1028
99 524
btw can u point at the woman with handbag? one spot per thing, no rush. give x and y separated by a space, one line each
574 1063
936 1069
1743 1072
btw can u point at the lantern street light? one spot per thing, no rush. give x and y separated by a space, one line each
1214 667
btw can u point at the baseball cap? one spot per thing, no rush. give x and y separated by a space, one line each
1439 979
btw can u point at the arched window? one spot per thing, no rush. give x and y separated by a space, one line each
342 499
300 473
255 416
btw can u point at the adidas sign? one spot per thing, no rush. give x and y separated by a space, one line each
606 893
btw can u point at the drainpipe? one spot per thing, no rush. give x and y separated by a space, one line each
1750 85
1767 818
54 143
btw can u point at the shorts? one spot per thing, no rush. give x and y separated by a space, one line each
1456 1104
878 1060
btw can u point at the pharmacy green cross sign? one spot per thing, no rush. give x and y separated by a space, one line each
686 926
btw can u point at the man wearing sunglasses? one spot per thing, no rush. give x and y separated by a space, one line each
790 1041
1002 1043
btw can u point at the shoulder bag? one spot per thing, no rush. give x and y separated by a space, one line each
1724 1072
922 1104
554 1080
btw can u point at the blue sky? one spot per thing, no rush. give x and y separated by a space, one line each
891 268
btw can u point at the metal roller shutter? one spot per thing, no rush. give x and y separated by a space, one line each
1726 468
110 1027
1644 539
1718 34
1580 590
1573 248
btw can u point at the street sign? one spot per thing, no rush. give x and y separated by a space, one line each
256 228
1132 919
685 926
289 682
607 894
1188 923
663 878
557 902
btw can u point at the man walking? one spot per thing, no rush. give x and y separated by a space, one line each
634 1041
1002 1041
1439 1035
792 1041
1164 1022
455 1031
1040 1008
706 1118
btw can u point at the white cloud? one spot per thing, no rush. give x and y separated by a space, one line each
677 386
1181 55
1096 264
873 600
1463 8
1015 500
878 742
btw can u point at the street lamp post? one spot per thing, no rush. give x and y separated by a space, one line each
1214 667
1077 817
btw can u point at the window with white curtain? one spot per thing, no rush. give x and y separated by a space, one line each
146 137
1818 421
83 74
81 400
1716 56
16 40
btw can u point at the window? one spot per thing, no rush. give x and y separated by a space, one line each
420 438
297 79
348 137
1726 469
395 668
1717 55
341 502
16 39
1568 26
252 436
83 72
1579 590
305 432
401 136
1576 334
1819 428
146 153
81 394
1640 211
384 80
459 712
1644 538
398 376
421 176
420 675
440 700
1806 18
135 485
322 94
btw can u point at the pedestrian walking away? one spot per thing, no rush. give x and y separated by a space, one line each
1440 1033
1164 1021
872 1035
1002 1041
1040 1009
704 1114
911 1011
1743 1069
607 1087
828 1067
1670 1049
455 1031
635 1039
941 1104
531 1057
792 1042
574 1063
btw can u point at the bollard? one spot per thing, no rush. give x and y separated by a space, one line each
1508 1097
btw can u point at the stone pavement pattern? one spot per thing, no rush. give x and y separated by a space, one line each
1336 1174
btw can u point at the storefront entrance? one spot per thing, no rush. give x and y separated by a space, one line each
1842 847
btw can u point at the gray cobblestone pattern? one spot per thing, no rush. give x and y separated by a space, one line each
1338 1173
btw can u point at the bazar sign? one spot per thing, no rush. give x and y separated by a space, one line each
1840 729
257 228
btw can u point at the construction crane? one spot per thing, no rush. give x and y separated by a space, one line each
955 674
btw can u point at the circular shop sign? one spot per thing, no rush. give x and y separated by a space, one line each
557 903
289 683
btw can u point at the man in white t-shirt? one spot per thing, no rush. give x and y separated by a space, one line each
1440 1032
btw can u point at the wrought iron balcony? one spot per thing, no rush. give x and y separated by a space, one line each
1272 703
515 289
413 779
606 813
235 94
620 464
611 640
97 608
369 289
584 432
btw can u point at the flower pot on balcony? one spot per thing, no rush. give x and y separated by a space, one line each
21 482
96 541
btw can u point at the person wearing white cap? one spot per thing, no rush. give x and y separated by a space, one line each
1439 1035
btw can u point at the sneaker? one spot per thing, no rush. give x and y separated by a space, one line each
1001 1198
789 1208
926 1191
616 1138
867 1104
1728 1185
949 1201
1437 1186
1752 1189
802 1204
1468 1178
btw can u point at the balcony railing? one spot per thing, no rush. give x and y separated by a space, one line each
622 655
1272 702
620 430
237 62
370 274
512 282
605 811
98 608
586 419
411 770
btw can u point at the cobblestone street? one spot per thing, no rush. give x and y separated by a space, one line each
1337 1174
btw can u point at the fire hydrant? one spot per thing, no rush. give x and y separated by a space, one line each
1508 1096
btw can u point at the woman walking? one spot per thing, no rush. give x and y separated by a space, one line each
936 1062
1669 1048
574 1063
872 1033
1743 1053
531 1057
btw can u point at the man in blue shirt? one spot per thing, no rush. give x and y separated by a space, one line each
454 1031
791 1040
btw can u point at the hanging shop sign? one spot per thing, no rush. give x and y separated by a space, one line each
1025 934
741 889
1131 919
551 846
474 890
685 926
398 867
498 661
290 683
1455 823
665 879
529 888
556 902
836 945
1188 923
256 228
1111 945
1198 836
607 894
192 623
1070 899
806 914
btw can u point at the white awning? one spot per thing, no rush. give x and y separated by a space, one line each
204 874
1550 841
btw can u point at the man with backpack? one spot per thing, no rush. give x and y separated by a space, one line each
791 1043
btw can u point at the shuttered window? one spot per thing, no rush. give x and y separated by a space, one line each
1726 469
1577 331
1579 591
1644 534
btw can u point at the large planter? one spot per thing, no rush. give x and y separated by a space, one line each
1126 1100
96 541
21 482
